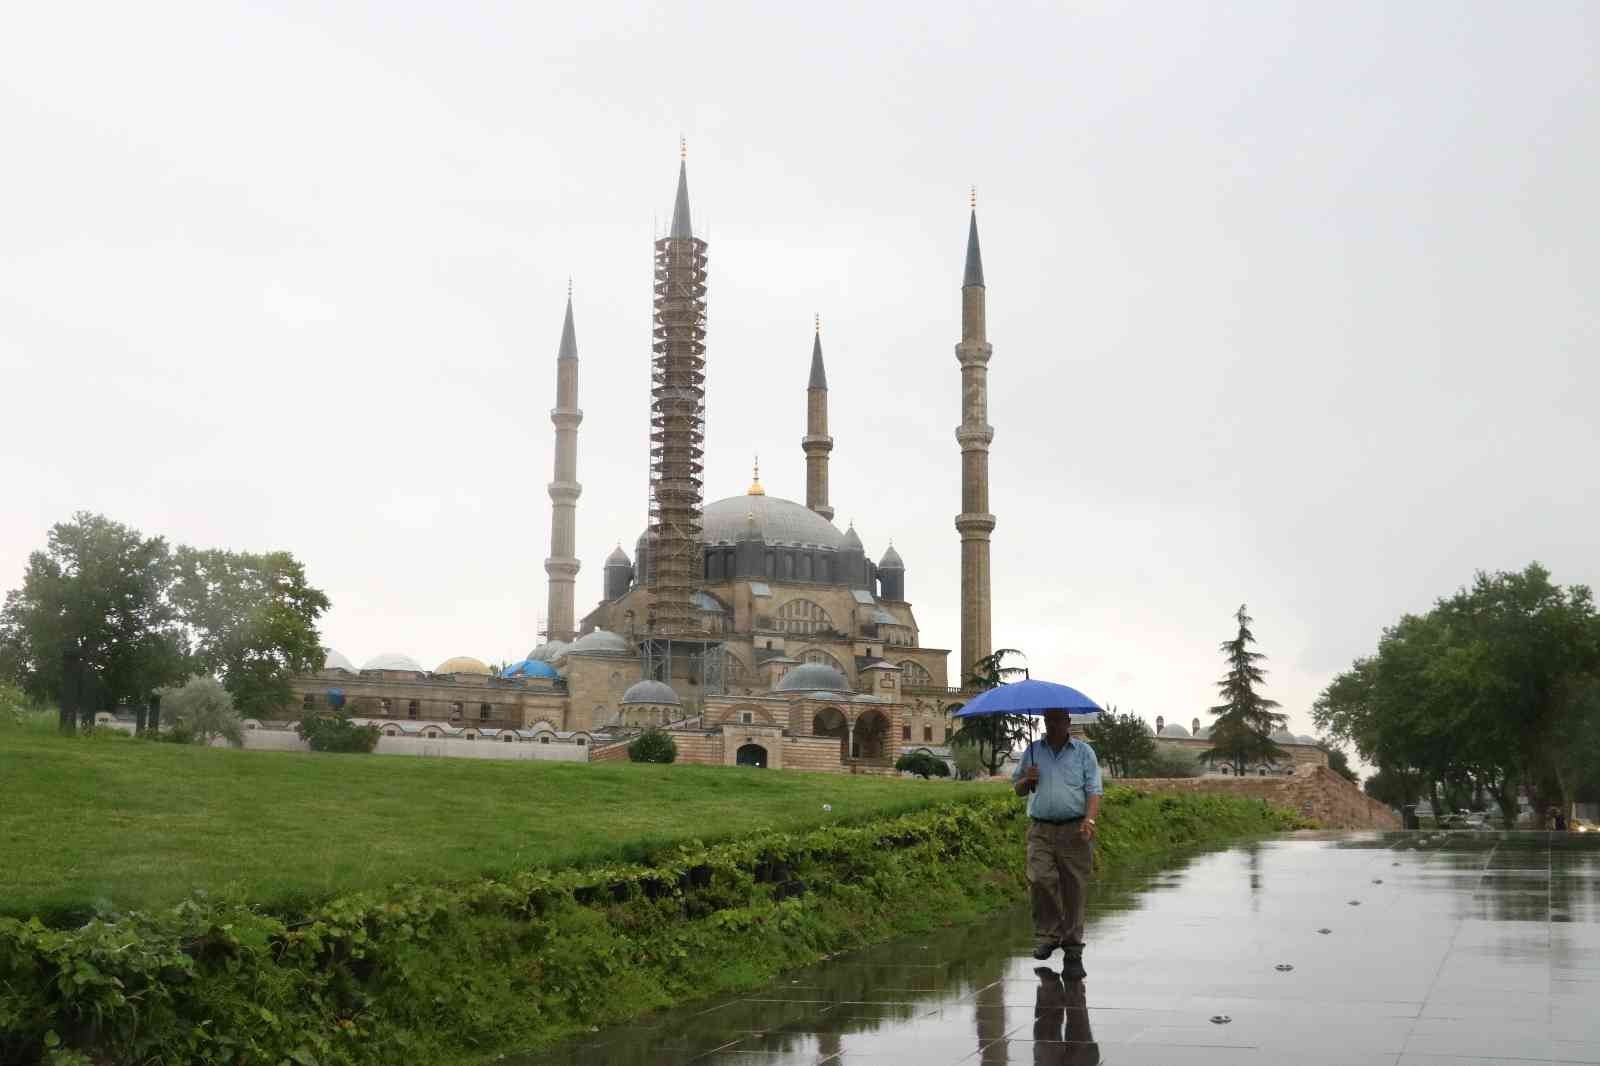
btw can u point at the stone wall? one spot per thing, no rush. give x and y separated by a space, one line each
1313 791
287 740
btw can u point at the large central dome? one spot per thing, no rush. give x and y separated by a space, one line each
779 521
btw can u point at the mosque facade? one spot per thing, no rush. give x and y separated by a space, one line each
751 627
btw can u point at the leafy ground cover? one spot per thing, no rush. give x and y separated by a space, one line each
97 826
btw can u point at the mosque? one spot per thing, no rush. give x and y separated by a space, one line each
751 627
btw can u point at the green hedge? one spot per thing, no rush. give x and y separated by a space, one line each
459 972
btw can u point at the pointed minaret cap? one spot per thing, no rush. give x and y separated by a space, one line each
680 206
819 376
974 275
569 337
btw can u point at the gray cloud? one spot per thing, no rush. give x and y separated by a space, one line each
1291 304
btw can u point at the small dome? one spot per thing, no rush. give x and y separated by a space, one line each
600 640
891 560
463 664
529 668
813 677
549 651
1174 730
1303 739
651 692
332 660
1204 732
1283 736
618 557
392 660
851 538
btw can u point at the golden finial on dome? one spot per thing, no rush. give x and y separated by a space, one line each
755 488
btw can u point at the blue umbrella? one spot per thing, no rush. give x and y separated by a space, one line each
1029 697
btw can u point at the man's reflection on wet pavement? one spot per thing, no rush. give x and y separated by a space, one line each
1061 1034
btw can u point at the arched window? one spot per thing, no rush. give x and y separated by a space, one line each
914 673
788 564
771 565
805 567
803 618
817 655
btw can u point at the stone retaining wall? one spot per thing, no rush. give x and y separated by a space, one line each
1313 791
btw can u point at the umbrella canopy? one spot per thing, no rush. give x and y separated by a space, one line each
1029 697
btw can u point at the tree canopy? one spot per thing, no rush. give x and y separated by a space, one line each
253 619
1492 689
1241 736
1121 741
107 616
993 735
92 621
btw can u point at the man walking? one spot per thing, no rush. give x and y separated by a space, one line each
1061 778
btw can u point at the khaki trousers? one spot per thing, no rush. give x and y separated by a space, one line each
1060 861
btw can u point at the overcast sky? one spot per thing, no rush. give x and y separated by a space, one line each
1293 305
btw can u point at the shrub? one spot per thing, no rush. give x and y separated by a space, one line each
333 730
203 709
653 745
923 765
968 760
19 713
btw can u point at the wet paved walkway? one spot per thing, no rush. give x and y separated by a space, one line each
1441 949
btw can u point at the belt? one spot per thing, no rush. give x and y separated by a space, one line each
1059 821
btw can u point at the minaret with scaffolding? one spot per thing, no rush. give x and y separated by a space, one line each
677 455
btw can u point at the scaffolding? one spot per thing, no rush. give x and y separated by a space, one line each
677 435
701 663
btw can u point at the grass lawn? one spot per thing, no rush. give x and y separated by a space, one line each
118 824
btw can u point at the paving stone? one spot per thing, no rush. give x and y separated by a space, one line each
1476 948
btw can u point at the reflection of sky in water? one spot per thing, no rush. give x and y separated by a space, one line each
1463 944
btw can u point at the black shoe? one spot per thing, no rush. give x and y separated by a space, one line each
1044 951
1072 968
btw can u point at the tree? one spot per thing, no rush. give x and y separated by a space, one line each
653 745
993 735
1484 692
922 764
1245 720
202 709
254 622
1339 762
92 623
332 729
1395 789
1122 741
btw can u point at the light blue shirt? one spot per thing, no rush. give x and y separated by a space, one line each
1066 779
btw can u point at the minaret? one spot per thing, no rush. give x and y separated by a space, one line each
677 421
975 523
816 443
562 566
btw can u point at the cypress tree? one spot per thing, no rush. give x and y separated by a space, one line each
1245 720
